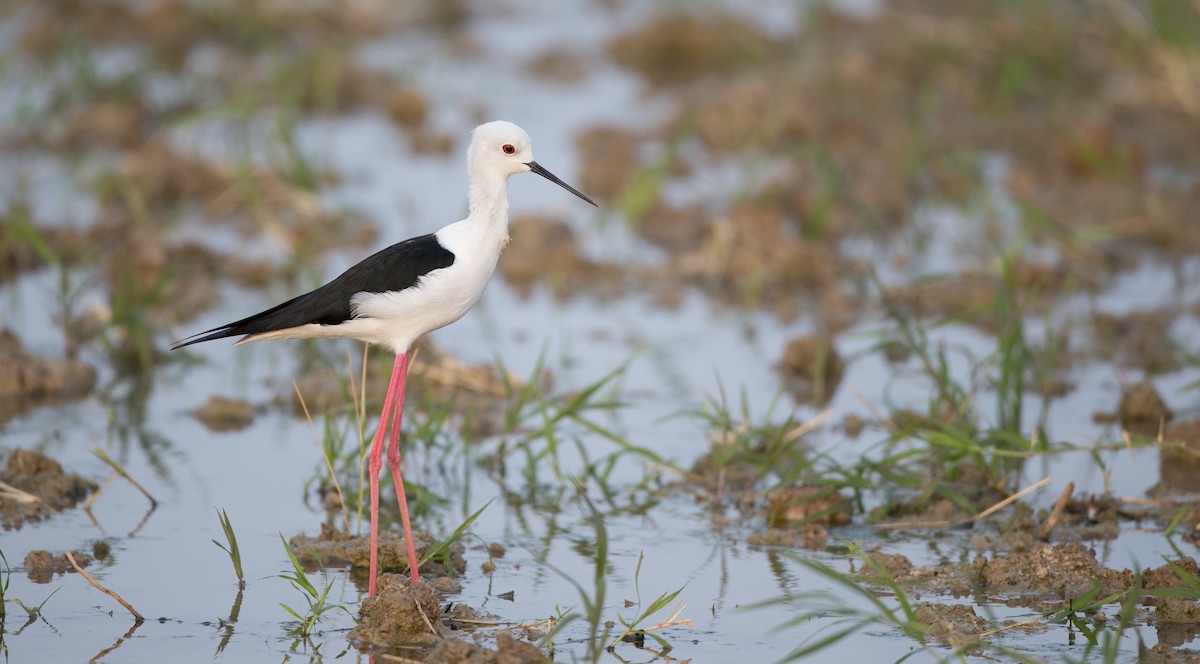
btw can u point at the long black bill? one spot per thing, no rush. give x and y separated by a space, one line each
537 168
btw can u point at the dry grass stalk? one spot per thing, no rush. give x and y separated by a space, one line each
425 618
138 619
805 427
360 413
13 493
672 620
1056 513
464 622
328 464
879 415
96 494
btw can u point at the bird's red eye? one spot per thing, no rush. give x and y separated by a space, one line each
508 148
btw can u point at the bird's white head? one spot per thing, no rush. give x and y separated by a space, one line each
500 149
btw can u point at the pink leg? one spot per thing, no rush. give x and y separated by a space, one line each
400 370
374 465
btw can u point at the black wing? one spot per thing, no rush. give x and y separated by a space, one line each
392 269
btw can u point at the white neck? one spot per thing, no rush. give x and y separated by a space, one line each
488 202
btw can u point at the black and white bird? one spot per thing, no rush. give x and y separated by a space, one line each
407 290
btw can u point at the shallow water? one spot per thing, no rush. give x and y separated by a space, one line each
163 560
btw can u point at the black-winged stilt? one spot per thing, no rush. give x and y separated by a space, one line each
400 293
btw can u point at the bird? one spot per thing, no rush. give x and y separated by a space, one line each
399 294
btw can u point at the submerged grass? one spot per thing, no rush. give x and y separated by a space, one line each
599 637
231 547
873 598
847 617
637 635
766 443
317 600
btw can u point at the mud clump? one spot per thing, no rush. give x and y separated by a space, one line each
546 250
224 414
404 612
757 256
435 376
1039 577
683 48
966 295
897 565
110 123
808 504
558 65
1164 653
41 566
408 107
509 650
969 480
610 161
1176 620
27 381
1177 610
955 624
955 579
675 229
1090 517
1053 572
811 536
1139 340
1142 409
338 548
18 255
812 368
1179 463
47 488
1165 576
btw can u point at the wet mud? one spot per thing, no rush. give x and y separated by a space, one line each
1042 577
407 614
812 368
403 612
955 624
42 566
1179 465
28 381
545 250
335 548
225 414
36 488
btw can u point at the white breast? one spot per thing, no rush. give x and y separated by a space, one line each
397 319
